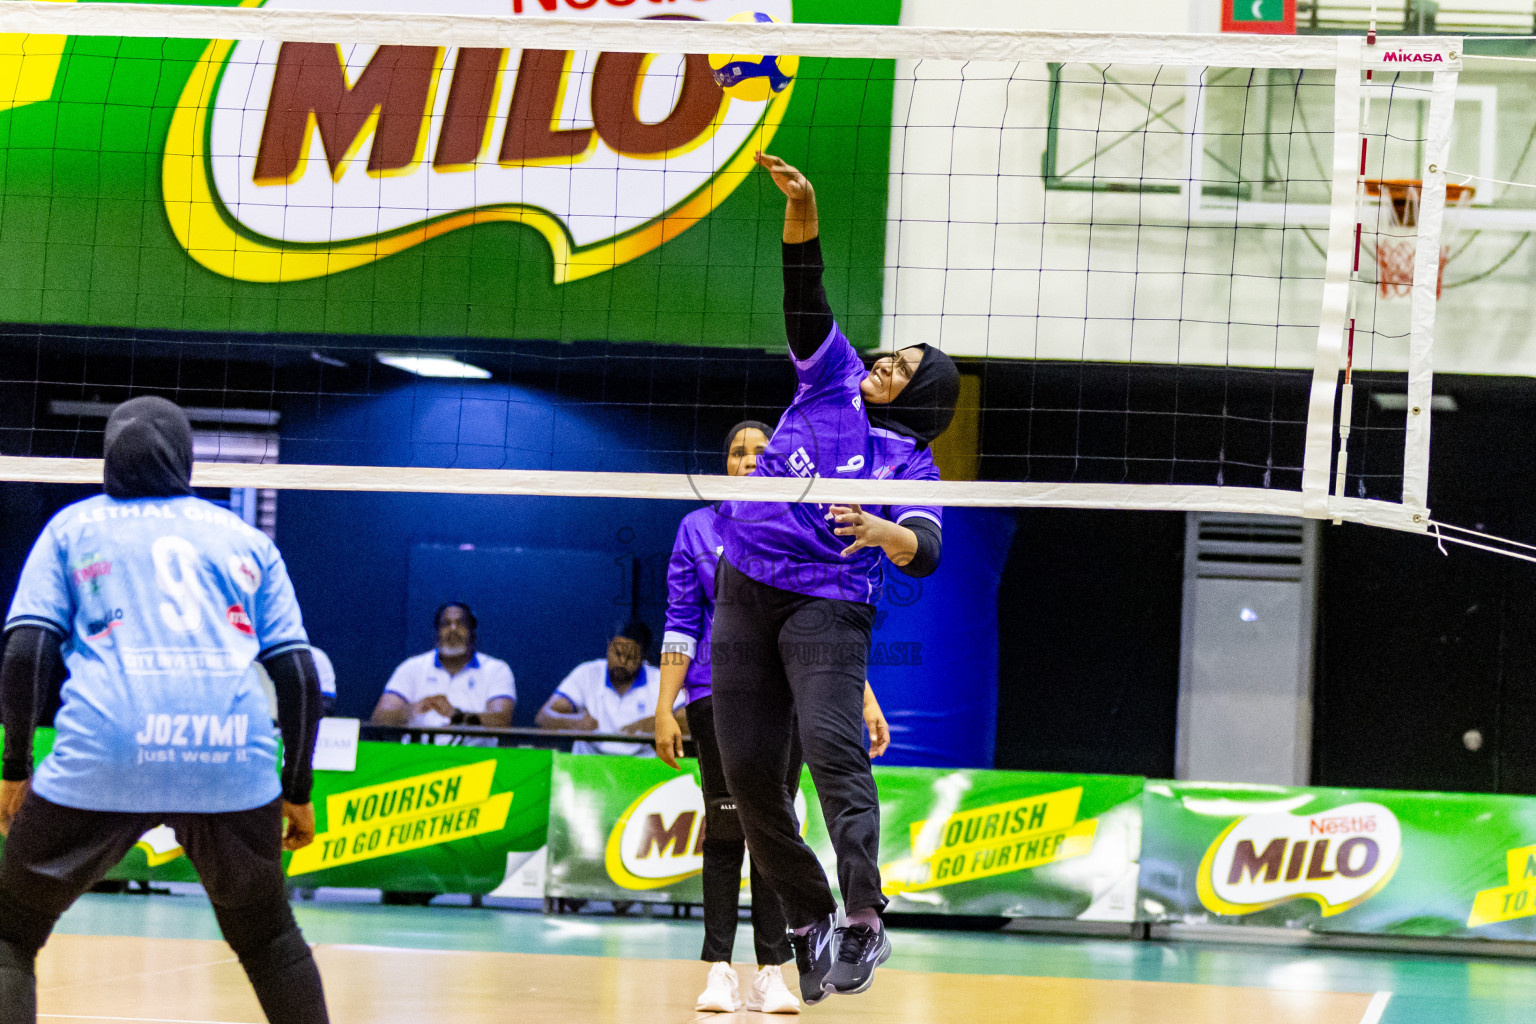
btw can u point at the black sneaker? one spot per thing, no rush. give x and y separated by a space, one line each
815 956
860 950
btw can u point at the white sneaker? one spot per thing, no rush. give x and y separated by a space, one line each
769 993
723 993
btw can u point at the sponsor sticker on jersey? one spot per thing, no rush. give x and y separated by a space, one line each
97 629
241 621
245 572
87 571
1338 858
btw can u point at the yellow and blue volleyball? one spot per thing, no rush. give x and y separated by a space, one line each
753 76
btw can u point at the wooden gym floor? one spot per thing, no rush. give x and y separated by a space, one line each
107 979
139 959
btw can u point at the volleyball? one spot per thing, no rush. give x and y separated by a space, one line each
753 76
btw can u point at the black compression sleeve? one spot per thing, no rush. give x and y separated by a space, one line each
930 545
807 316
31 656
298 716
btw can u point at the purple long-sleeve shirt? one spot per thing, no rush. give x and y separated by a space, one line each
824 432
691 595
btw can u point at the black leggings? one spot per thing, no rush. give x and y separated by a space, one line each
778 659
55 853
724 846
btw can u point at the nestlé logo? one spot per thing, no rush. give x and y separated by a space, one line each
1340 858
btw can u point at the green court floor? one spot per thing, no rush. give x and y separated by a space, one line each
1425 989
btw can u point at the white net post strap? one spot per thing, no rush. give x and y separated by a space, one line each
1318 457
683 487
1426 282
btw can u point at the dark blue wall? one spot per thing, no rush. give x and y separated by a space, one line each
349 552
942 706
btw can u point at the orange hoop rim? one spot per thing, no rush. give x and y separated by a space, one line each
1400 188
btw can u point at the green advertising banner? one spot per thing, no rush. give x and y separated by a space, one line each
425 818
625 828
1014 844
1340 860
416 818
429 190
952 842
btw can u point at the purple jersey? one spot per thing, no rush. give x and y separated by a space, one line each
823 433
691 595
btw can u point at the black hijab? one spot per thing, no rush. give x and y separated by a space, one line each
148 450
926 405
738 428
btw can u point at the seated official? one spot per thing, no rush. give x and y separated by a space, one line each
452 685
616 694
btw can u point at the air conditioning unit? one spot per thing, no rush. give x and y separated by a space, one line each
1245 668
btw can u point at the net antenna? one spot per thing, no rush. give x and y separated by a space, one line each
1091 265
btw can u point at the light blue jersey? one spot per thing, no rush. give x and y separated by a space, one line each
162 604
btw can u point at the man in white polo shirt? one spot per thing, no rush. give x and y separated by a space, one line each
612 694
453 684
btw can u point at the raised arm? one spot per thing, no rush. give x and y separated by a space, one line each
807 315
800 211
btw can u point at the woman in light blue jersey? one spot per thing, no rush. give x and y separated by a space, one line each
159 602
796 594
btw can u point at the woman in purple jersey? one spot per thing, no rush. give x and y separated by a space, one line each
685 664
796 588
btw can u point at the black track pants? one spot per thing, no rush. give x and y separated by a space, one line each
724 846
778 659
55 853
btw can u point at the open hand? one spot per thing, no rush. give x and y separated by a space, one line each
669 739
12 795
867 529
879 729
789 179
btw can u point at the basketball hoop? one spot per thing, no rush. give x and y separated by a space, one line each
1397 219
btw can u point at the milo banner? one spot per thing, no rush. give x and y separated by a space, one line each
337 188
1338 860
410 817
957 842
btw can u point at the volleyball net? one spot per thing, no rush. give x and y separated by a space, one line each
457 252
